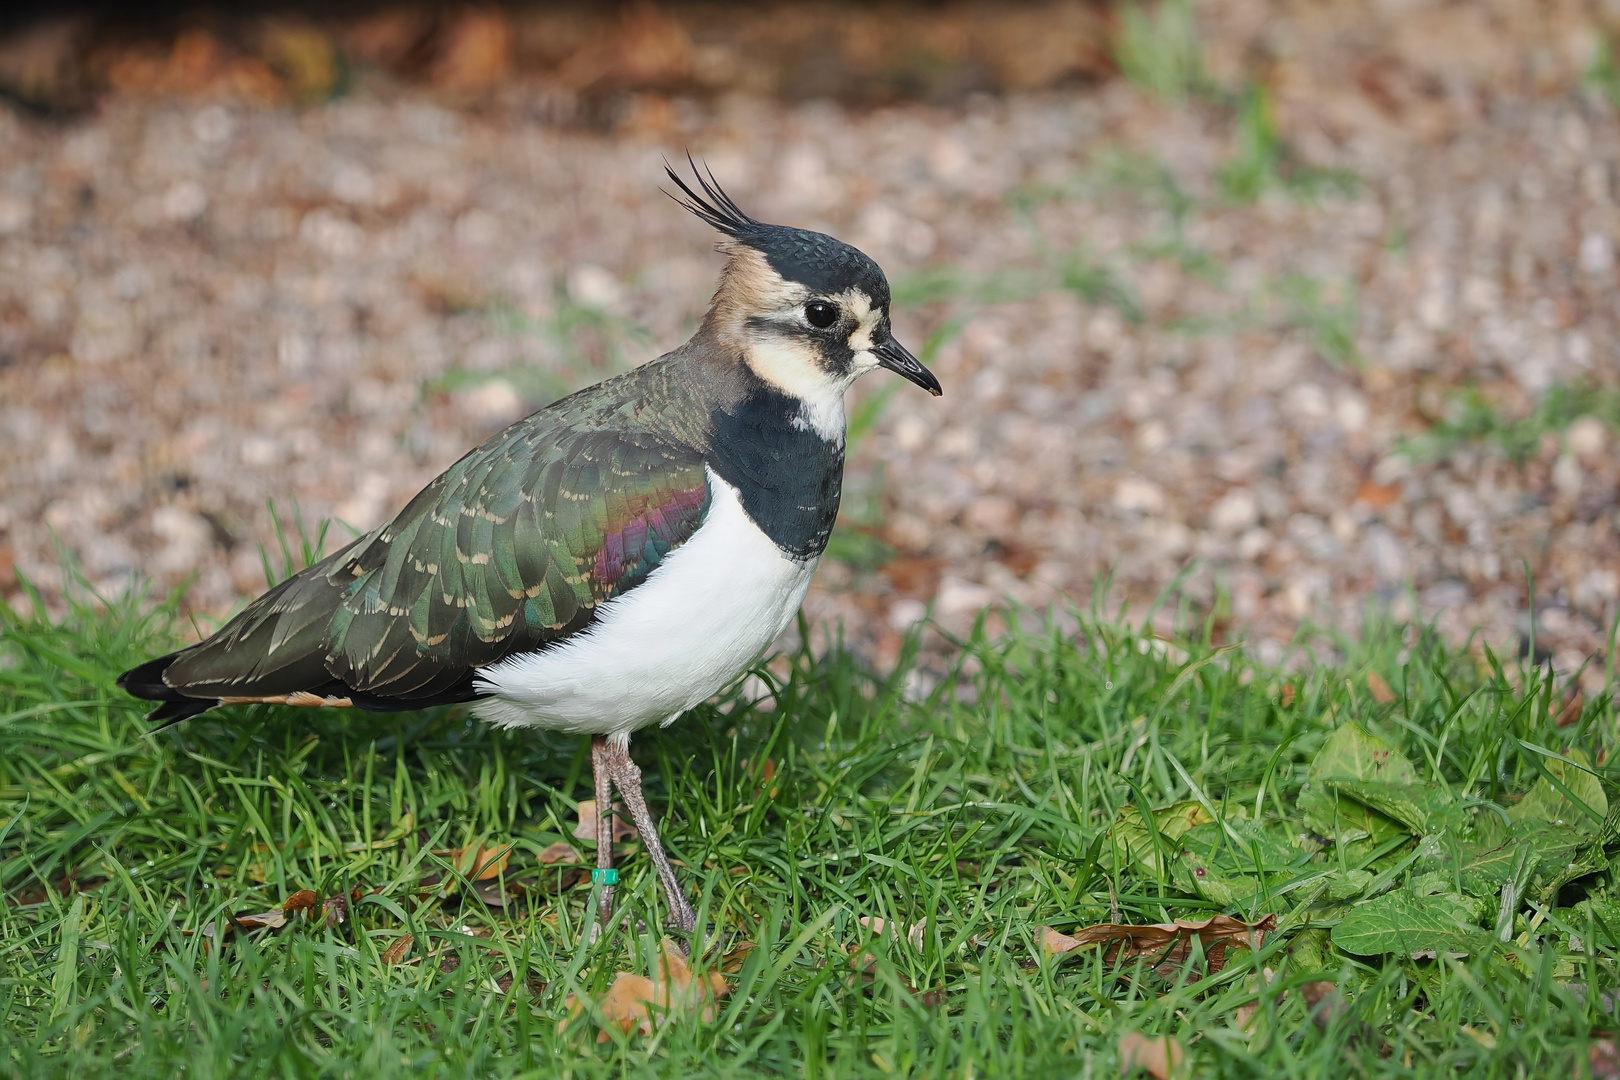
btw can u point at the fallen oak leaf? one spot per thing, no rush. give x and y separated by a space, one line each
560 855
586 829
222 928
560 852
1167 944
268 920
766 773
731 961
335 910
1379 688
302 900
627 1004
1326 1003
879 927
477 862
492 893
1245 1013
639 1003
1160 1055
399 950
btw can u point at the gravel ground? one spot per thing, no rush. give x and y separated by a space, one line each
205 305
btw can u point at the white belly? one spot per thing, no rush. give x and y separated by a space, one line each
711 609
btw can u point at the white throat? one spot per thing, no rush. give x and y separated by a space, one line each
791 367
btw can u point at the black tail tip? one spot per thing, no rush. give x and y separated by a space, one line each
146 682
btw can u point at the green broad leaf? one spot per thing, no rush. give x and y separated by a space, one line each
1243 846
1589 860
1234 864
1352 753
1546 802
1210 882
1346 885
1422 808
1130 840
1333 887
1491 829
1536 851
1311 950
1596 920
1403 924
1476 869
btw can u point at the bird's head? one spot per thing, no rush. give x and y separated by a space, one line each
807 312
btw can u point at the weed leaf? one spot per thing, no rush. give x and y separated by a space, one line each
1409 925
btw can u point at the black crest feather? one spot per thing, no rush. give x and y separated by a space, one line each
821 262
714 205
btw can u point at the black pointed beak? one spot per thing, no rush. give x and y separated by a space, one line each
898 359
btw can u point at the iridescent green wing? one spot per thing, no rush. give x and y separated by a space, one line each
514 547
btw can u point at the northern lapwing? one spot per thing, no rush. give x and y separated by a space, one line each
608 562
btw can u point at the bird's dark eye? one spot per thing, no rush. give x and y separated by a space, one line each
820 314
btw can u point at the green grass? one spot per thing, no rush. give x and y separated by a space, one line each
1261 160
1160 51
993 804
1471 419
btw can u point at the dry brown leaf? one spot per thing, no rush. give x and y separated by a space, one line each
638 1003
1167 945
586 829
767 773
302 900
1326 1003
560 852
491 893
477 862
731 961
647 48
335 910
1160 1055
879 927
1244 1014
1379 688
1377 495
399 950
385 37
477 52
268 920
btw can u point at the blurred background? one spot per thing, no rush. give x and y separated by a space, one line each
1306 308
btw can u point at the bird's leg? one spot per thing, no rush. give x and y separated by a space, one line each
627 778
602 772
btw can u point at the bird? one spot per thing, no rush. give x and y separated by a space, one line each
608 562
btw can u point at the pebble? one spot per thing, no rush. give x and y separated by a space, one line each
220 304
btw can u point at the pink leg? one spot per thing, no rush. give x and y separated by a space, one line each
602 771
627 778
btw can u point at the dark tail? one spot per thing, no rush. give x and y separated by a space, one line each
146 681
